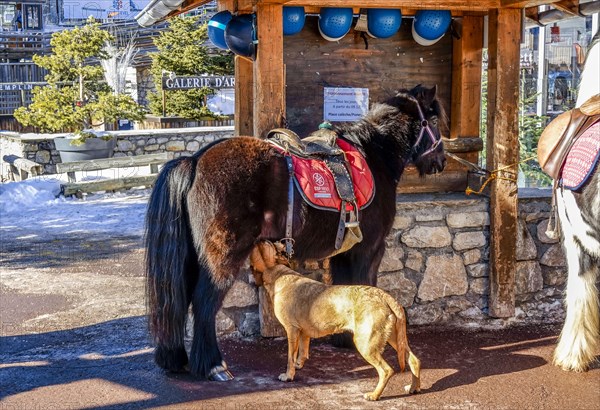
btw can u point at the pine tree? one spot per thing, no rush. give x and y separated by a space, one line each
76 94
182 51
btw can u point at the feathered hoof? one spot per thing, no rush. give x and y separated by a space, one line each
220 374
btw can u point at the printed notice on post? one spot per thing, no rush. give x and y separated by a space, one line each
345 104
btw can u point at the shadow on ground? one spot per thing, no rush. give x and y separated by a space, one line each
65 251
110 365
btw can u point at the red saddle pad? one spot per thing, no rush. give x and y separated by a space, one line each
314 180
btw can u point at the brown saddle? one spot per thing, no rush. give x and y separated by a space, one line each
562 132
319 144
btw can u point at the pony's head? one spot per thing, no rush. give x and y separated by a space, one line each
422 104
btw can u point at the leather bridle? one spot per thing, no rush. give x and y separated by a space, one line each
426 128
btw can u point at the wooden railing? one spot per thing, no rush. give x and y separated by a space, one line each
79 188
18 44
15 95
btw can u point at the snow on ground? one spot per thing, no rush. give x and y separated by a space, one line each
31 209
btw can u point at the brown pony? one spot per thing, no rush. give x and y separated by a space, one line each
207 211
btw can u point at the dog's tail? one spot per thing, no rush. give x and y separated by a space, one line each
402 347
401 338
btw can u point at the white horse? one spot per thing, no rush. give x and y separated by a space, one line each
579 216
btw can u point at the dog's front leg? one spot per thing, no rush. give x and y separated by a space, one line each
293 334
303 350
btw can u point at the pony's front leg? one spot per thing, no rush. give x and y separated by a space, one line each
206 360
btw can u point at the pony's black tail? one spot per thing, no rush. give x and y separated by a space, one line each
171 261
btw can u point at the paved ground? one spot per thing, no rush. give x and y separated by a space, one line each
73 335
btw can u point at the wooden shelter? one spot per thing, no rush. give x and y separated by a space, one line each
285 81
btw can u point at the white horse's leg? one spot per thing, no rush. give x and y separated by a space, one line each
579 337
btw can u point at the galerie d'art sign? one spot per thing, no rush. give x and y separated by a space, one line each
344 103
171 82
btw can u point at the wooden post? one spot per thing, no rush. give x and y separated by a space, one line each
269 96
269 108
244 88
466 82
503 153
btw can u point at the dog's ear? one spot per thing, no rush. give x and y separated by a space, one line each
256 259
268 252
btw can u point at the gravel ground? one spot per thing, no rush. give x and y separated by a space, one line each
73 335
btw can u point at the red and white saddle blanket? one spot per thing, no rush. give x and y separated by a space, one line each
315 182
582 158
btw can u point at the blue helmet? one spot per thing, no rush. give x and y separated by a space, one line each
293 20
335 23
383 23
216 28
240 35
429 26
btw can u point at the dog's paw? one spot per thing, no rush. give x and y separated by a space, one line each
371 397
299 365
410 389
285 378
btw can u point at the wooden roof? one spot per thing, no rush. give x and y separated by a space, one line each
158 10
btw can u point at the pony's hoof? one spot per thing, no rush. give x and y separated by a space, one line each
222 376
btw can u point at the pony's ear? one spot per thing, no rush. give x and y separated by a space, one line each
429 95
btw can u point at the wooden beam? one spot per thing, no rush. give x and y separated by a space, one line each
466 82
568 6
269 81
244 89
463 144
117 162
521 4
223 5
482 5
78 188
503 154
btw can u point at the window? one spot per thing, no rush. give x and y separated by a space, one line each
32 16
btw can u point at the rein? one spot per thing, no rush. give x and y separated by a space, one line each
425 128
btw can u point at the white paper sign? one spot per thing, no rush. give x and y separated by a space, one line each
345 104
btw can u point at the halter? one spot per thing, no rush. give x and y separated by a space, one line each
426 128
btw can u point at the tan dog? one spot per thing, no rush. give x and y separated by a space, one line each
307 308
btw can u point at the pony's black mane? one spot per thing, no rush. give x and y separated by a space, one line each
389 130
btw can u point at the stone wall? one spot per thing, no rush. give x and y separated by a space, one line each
436 264
145 85
40 147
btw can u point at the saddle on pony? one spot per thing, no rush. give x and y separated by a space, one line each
563 132
569 149
331 174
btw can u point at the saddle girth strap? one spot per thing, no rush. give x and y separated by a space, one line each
345 189
289 220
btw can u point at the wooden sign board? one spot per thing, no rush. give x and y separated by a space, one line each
174 82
